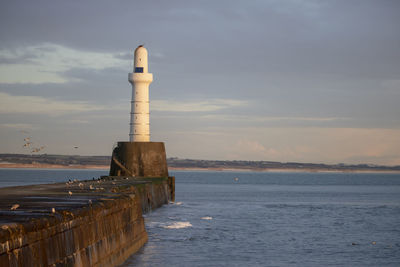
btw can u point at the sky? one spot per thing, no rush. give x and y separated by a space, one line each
274 80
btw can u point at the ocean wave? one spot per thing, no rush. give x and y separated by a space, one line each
175 203
206 218
178 225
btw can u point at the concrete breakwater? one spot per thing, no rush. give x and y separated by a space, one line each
81 223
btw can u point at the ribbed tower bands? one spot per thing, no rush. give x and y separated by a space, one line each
139 157
140 80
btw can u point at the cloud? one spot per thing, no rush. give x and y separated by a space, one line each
124 56
195 106
301 118
250 149
46 63
257 118
296 144
21 126
315 144
391 85
255 150
10 104
16 58
79 121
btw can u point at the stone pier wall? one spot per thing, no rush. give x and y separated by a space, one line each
104 230
139 159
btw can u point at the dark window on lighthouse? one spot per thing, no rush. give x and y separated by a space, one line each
139 70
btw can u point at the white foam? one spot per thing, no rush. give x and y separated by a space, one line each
178 225
175 203
206 218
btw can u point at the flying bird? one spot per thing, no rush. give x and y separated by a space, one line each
37 149
27 144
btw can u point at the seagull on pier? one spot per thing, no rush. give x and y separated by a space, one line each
15 206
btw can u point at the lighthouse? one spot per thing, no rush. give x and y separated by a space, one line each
140 79
139 157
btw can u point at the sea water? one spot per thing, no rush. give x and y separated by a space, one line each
264 219
276 219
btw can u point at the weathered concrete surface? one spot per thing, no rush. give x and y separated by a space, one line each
139 159
94 223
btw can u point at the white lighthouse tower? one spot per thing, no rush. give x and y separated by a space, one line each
139 157
140 80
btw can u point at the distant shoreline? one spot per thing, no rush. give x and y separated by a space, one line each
281 170
106 167
51 166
